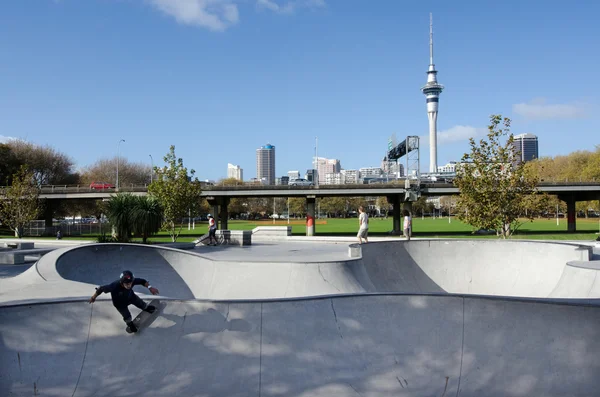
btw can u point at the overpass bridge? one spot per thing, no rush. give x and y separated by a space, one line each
398 194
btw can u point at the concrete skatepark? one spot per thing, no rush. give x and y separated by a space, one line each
310 318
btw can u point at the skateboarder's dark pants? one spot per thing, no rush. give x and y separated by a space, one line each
133 300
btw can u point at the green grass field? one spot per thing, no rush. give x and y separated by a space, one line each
546 229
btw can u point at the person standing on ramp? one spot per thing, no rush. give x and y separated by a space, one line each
122 296
363 230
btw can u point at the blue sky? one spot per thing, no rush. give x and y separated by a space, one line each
220 78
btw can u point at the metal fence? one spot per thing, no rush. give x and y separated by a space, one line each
38 228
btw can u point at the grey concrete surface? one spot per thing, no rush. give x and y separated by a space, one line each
341 346
229 327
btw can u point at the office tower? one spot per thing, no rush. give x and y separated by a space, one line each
449 168
234 171
293 175
526 147
265 164
311 175
350 176
432 91
327 166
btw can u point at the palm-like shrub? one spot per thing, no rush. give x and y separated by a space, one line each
138 215
146 217
118 211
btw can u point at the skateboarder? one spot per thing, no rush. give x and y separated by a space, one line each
122 296
212 230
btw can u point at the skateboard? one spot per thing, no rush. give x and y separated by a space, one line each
144 318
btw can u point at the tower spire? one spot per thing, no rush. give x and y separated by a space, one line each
431 65
432 91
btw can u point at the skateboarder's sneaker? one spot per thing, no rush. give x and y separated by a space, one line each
150 309
131 327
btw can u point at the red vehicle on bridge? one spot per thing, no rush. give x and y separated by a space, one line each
101 185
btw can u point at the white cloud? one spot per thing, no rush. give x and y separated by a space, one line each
6 139
289 6
216 15
457 133
539 109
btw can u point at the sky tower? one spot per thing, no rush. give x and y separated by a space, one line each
432 91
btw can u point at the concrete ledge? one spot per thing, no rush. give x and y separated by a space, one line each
354 251
17 257
18 245
272 232
180 246
235 237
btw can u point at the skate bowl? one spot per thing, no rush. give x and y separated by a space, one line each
490 267
424 318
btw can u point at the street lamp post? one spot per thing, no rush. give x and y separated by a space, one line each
151 167
118 158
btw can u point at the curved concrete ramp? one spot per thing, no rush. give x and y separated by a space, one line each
488 267
342 346
182 275
498 268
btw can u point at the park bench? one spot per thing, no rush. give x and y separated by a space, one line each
17 256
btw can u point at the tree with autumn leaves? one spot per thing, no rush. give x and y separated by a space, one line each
495 188
177 192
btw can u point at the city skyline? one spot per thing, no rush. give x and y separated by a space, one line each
86 75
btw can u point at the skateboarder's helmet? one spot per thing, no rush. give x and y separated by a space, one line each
126 277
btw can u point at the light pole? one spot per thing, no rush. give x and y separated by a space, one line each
151 167
118 157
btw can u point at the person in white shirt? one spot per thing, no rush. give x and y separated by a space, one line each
363 221
407 225
212 230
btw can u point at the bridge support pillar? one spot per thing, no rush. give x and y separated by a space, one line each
224 215
571 214
48 213
395 201
310 215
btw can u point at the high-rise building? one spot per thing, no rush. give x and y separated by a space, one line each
265 164
370 172
336 178
526 147
327 166
235 171
432 91
392 168
448 168
293 175
350 176
311 175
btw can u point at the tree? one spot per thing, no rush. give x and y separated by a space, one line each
492 183
383 205
333 205
177 193
298 206
21 201
448 204
105 170
146 217
421 206
48 166
9 165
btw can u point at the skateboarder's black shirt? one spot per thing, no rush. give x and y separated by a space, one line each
120 295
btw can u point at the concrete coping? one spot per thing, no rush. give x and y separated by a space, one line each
592 265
